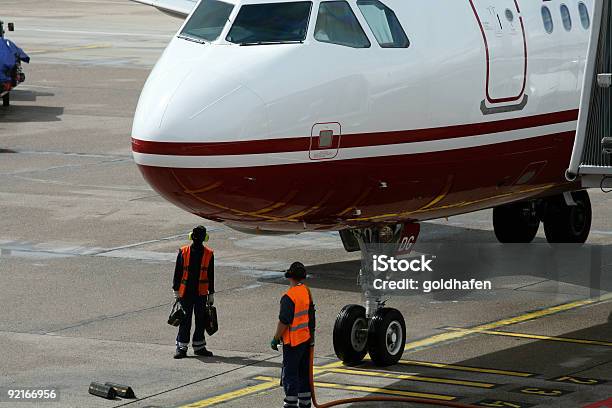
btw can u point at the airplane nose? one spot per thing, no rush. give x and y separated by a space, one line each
184 123
198 105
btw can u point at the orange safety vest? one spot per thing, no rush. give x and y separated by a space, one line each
298 332
203 283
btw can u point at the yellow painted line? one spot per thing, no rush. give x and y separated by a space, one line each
465 368
270 382
80 48
443 337
374 390
331 365
411 377
539 337
243 392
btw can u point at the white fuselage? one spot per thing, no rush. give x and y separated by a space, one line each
469 64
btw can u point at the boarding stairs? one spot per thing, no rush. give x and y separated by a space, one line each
591 160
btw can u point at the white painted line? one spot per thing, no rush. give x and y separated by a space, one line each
116 34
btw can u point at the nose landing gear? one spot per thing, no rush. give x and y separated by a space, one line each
374 329
386 337
351 334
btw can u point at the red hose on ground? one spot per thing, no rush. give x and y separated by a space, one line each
374 399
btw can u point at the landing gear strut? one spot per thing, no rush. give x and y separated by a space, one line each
374 329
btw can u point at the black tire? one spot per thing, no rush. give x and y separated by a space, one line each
348 348
6 100
568 223
383 349
514 223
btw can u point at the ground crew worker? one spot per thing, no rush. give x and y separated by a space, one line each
194 286
295 330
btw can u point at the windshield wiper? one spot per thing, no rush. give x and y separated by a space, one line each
193 39
272 42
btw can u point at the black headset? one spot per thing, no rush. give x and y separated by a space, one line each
198 232
297 270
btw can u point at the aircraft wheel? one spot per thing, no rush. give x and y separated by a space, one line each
386 337
6 99
568 223
351 334
515 223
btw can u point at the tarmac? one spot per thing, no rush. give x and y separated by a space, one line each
87 254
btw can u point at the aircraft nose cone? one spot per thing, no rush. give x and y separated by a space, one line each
201 106
154 99
184 121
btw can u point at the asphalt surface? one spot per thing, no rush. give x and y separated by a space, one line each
87 253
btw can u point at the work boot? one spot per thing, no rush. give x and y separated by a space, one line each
203 352
180 353
304 399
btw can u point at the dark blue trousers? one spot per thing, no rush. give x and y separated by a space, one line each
296 375
194 306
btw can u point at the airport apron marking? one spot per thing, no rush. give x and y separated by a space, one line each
466 368
84 47
578 380
444 337
373 390
443 366
503 404
271 382
539 337
243 392
541 392
409 377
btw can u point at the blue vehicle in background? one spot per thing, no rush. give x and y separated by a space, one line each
11 72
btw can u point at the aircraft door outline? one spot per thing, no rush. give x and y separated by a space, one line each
505 41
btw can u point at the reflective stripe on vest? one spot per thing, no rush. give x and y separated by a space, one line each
203 281
298 332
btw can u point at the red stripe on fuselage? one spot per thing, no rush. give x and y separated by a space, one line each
298 144
324 194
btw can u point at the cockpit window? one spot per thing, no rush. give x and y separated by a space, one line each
271 23
384 24
337 24
207 21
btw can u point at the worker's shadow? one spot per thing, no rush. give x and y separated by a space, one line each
237 361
